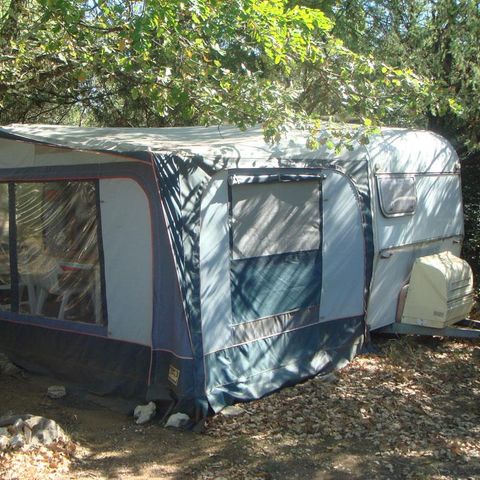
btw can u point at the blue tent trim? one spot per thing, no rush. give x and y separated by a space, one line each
99 364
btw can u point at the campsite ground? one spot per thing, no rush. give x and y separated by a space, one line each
409 411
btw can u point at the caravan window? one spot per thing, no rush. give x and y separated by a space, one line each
398 195
57 254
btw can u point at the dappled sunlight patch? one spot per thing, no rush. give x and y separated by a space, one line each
414 401
408 411
52 462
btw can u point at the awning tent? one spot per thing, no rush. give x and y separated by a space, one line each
225 267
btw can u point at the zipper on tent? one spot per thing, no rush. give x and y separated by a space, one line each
12 241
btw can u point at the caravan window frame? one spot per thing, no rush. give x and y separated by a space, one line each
382 194
100 325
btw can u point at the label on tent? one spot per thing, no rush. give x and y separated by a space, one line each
173 375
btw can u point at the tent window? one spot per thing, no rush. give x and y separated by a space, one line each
57 250
275 218
276 260
398 195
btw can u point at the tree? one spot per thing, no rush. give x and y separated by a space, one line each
437 39
161 63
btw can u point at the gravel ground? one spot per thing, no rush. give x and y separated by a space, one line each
409 411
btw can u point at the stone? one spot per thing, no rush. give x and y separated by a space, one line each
10 419
16 427
17 441
46 432
27 433
7 367
33 421
4 442
178 420
144 413
25 429
56 391
11 370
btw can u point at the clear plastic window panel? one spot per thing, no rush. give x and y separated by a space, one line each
5 284
398 195
57 250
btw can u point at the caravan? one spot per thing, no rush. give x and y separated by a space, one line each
207 266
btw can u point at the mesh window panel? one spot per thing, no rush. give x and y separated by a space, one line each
274 218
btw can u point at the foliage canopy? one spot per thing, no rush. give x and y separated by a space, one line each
439 40
277 62
172 62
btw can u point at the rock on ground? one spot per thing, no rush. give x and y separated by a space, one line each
56 391
23 430
7 367
144 413
178 420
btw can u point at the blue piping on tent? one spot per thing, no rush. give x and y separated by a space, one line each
57 324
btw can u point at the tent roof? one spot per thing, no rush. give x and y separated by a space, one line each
421 149
137 139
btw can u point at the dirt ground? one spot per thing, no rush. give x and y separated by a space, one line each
409 411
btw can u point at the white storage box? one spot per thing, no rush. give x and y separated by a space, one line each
440 292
